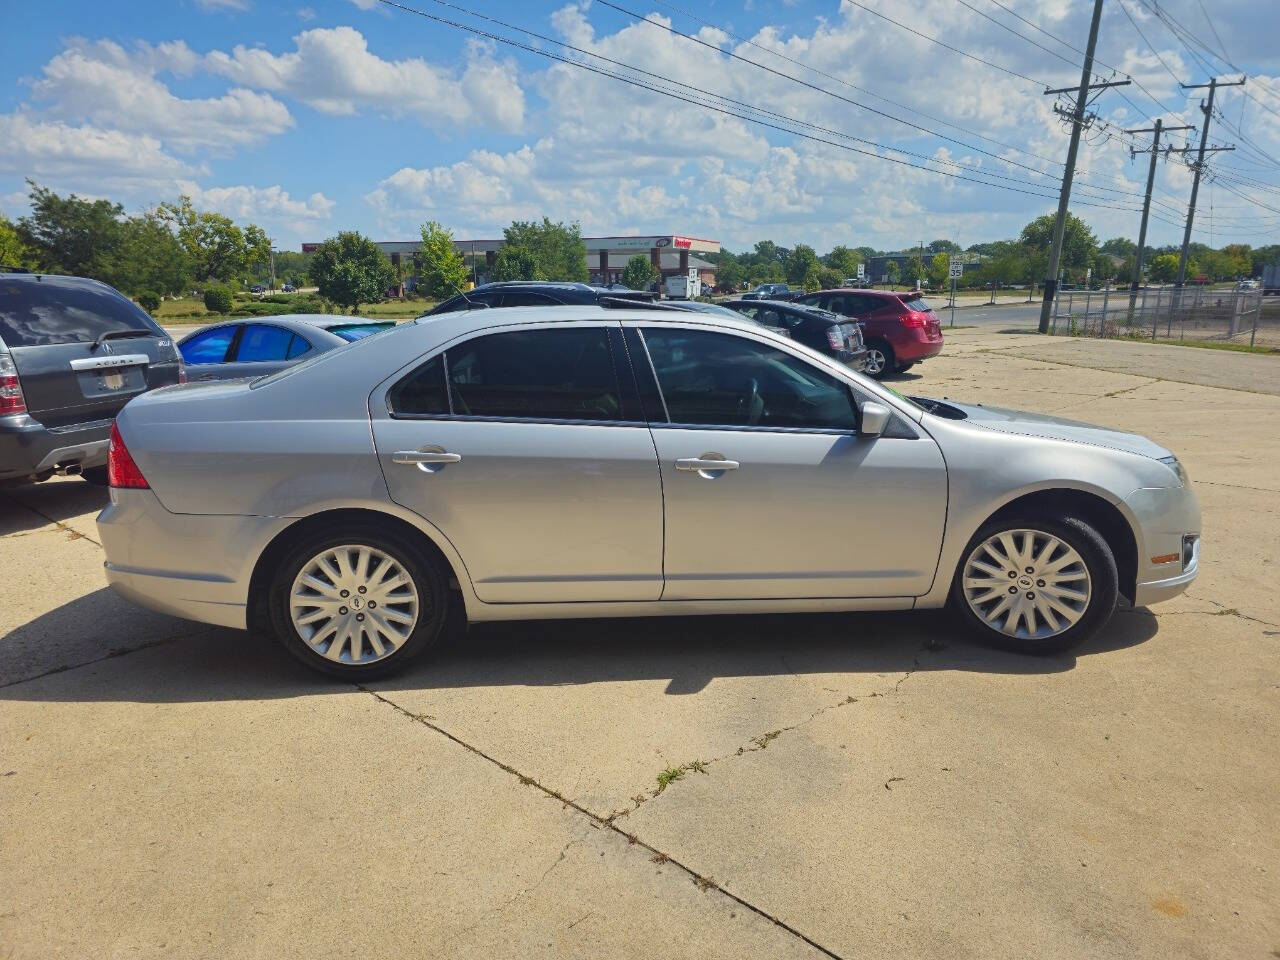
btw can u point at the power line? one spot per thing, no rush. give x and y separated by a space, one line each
750 119
1221 46
941 43
1150 45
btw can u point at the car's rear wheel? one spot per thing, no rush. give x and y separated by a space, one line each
879 358
358 603
1035 585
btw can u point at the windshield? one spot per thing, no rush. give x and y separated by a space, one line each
358 331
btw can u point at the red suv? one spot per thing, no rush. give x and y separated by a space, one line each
900 328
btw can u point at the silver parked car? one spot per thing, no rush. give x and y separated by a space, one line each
581 461
252 347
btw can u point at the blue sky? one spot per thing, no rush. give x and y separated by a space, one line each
314 117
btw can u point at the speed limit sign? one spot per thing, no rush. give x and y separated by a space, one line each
956 270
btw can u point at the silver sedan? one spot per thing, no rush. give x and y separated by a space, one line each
594 462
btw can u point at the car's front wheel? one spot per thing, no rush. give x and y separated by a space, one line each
1036 586
358 603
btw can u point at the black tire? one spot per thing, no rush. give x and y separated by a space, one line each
885 351
427 572
1098 559
904 367
95 475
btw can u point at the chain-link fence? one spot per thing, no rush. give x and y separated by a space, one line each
1169 313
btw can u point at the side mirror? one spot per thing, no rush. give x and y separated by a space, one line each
875 417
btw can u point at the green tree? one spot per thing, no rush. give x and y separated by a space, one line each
556 248
915 270
1079 245
150 258
768 252
218 300
800 261
13 251
730 271
940 270
893 270
149 301
843 261
944 246
1164 268
215 246
71 234
257 251
441 271
638 274
516 263
349 269
1119 247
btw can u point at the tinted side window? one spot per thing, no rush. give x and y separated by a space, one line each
208 347
421 393
297 347
717 379
546 374
262 343
38 312
525 298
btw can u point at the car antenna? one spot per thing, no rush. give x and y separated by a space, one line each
474 304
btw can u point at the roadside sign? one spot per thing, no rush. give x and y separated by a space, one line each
862 271
956 270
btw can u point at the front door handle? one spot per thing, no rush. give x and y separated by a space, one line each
429 459
708 466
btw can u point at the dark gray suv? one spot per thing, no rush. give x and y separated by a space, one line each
72 353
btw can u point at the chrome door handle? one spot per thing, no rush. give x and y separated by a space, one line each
700 464
414 457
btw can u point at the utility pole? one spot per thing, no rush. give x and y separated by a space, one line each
1154 150
1078 120
1207 110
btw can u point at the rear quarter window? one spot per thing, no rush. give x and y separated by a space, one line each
35 312
918 304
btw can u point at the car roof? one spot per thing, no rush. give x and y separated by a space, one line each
296 322
883 294
790 306
57 279
462 322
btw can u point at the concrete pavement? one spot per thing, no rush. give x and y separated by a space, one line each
864 785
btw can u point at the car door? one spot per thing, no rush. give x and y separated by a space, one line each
261 348
770 492
522 447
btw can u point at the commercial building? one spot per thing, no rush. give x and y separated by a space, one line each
669 253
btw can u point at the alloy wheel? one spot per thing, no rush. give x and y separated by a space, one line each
876 360
354 604
1027 584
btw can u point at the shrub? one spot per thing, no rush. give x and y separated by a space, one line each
149 301
218 300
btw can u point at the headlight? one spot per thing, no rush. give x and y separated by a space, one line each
1173 464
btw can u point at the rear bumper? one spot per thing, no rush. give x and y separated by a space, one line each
186 565
854 359
29 449
913 350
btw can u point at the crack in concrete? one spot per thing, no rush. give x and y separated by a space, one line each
109 655
758 743
599 822
66 528
1225 611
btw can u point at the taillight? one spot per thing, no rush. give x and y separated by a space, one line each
11 398
834 338
915 319
121 470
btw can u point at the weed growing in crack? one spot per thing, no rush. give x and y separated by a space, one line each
704 883
669 776
659 858
764 741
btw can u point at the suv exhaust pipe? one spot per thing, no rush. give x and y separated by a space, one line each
70 468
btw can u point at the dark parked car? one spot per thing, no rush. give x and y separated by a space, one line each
288 288
258 288
72 353
826 332
770 291
534 293
262 345
900 328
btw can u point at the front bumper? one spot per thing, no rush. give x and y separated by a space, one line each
29 449
185 565
1167 517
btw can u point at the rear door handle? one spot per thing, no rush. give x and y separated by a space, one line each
413 457
700 464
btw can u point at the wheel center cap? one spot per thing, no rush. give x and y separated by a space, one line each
357 603
1025 581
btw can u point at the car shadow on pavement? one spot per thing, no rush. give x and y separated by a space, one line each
34 505
201 663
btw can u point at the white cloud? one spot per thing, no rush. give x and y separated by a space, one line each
224 4
306 13
56 152
262 204
103 84
333 70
